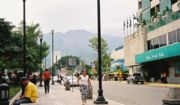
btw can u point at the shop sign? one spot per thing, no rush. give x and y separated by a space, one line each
160 53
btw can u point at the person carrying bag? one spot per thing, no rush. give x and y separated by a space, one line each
85 85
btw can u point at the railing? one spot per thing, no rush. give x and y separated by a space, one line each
163 21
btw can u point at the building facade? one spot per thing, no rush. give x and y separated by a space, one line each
117 56
155 48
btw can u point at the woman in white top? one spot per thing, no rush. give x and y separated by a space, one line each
84 83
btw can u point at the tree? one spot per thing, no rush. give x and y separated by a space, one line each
104 47
106 63
33 59
11 46
5 45
93 43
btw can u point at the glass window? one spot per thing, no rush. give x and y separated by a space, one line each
162 40
149 45
140 5
173 1
152 11
178 68
178 35
157 8
172 37
152 44
156 42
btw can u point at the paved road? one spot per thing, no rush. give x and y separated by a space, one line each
129 94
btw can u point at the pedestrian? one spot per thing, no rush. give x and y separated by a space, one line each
84 83
30 94
46 77
34 80
14 78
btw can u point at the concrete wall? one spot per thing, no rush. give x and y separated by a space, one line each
134 44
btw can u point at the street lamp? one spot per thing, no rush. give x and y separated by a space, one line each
52 57
100 99
41 38
24 38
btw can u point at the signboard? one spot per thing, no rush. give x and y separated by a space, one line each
160 53
72 62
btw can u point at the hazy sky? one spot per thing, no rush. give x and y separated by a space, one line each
64 15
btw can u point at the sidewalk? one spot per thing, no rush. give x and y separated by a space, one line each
58 96
153 84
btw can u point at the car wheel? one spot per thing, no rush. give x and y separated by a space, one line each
142 82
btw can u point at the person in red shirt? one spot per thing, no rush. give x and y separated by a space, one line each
46 76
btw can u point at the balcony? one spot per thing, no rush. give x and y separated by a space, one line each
163 21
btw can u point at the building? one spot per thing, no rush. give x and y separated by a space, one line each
117 56
155 48
57 56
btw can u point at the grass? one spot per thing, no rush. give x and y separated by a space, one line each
14 90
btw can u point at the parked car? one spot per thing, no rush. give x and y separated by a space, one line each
135 78
72 80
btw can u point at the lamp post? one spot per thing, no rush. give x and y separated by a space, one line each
52 57
100 99
40 68
24 38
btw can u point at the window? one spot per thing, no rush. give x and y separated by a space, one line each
157 8
156 42
153 12
152 44
172 37
177 73
178 35
140 5
162 41
173 1
149 45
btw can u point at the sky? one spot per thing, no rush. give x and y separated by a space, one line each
64 15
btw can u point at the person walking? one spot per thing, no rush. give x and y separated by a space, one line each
46 77
30 94
84 83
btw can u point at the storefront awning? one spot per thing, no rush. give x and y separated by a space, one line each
160 53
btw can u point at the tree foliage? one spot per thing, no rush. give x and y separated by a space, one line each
33 59
6 50
93 43
105 57
11 46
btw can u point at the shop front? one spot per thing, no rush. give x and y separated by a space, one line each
162 63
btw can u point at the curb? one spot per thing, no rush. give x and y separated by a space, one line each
162 85
14 98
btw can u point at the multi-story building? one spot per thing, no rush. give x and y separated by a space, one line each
57 56
117 56
155 47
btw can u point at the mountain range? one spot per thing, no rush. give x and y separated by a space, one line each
76 43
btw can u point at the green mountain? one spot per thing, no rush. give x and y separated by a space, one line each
75 42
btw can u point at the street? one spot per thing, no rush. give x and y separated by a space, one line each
130 94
